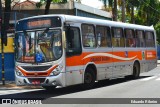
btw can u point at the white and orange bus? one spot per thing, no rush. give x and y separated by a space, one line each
63 50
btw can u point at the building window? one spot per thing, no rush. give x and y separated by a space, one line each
88 36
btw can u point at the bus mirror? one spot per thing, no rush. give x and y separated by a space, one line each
64 39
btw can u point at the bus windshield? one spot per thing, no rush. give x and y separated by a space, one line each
38 46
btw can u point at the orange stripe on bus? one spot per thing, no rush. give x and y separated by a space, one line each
36 74
116 57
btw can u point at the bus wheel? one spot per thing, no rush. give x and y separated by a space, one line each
89 78
49 88
136 70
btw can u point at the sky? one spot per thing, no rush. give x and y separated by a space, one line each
93 3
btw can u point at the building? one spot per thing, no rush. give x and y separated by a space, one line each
70 8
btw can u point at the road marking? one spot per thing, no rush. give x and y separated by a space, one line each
158 79
149 78
7 92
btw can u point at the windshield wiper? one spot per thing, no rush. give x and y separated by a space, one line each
43 34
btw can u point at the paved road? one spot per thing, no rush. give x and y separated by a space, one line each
148 86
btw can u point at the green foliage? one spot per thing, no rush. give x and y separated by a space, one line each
157 28
39 4
107 3
143 12
148 12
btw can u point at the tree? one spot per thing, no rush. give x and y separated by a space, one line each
5 22
123 11
157 28
48 3
111 4
114 11
130 9
148 12
0 14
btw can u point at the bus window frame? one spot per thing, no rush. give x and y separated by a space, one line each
123 36
143 37
35 30
94 31
134 37
108 28
80 42
153 38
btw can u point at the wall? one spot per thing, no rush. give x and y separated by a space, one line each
8 60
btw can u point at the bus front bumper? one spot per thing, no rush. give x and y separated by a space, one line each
41 81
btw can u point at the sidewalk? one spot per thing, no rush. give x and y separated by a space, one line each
10 85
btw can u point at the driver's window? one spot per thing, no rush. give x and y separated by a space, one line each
73 41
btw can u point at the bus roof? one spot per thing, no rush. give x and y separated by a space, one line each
78 19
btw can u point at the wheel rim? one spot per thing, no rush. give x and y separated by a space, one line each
88 78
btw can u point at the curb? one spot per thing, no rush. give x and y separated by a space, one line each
14 87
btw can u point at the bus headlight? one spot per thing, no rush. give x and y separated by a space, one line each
56 71
18 72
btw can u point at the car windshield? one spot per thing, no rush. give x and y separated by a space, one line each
38 46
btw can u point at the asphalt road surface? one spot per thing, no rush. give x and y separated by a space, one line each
147 86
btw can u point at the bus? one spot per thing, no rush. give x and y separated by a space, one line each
65 50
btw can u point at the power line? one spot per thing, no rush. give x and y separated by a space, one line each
142 11
150 6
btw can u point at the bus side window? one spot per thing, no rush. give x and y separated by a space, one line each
130 40
88 36
118 39
140 40
149 36
103 36
109 41
73 41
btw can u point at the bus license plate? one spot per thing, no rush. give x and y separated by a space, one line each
35 82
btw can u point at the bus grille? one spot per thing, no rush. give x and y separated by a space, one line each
41 80
36 68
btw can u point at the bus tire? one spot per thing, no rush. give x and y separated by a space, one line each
136 70
49 88
89 78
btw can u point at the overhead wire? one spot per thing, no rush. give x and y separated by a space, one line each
155 17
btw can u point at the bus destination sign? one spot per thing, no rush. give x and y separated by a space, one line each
39 23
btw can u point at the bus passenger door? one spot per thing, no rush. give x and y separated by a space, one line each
73 56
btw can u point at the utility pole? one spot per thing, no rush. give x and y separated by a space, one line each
2 41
